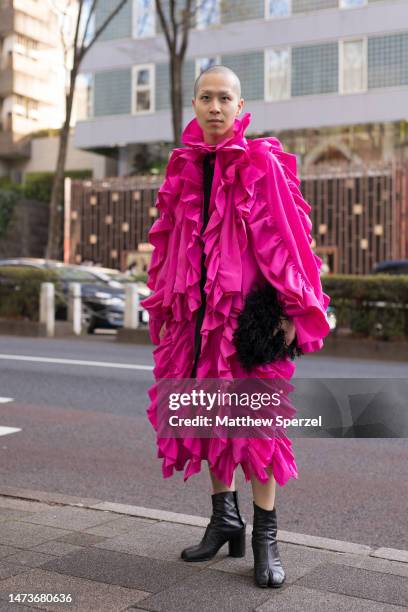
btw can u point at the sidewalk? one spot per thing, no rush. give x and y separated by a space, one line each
115 557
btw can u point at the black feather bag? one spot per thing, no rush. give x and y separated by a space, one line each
259 337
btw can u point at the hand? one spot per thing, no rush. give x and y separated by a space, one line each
289 328
162 331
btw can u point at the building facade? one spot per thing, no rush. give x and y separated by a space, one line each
329 77
32 92
31 77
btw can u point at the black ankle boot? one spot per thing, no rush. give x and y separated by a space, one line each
268 570
226 525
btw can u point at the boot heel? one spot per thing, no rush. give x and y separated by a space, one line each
236 545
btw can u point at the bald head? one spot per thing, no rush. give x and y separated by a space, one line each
219 69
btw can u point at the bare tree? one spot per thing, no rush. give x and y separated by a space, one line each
176 26
83 39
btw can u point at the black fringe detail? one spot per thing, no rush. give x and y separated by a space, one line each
254 337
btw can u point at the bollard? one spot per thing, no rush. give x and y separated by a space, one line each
75 307
131 306
47 308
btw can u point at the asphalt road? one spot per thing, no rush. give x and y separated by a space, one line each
79 407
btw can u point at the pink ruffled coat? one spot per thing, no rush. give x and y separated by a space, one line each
259 227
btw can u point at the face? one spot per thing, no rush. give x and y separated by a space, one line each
216 106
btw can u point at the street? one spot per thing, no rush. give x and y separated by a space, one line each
78 409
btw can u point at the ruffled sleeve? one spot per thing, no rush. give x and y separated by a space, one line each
159 236
279 228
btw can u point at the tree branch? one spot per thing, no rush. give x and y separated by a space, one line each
83 50
164 25
173 21
185 28
81 3
88 21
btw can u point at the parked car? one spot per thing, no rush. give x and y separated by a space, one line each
103 305
117 279
392 266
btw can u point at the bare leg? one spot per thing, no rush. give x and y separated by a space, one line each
264 494
219 486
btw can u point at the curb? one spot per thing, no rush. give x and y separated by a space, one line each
300 539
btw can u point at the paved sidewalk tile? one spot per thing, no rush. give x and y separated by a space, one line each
24 505
29 558
358 582
56 548
6 551
297 560
71 518
7 514
376 565
88 596
112 562
162 541
81 538
26 535
10 569
126 524
299 599
391 553
126 570
14 607
209 591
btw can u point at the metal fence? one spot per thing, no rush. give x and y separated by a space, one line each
359 215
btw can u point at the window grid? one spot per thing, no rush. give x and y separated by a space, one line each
275 9
143 91
314 69
350 4
352 79
208 13
277 82
144 18
310 6
203 63
388 61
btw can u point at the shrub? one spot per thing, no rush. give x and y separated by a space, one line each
20 292
375 306
8 200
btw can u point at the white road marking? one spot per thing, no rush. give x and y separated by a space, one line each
4 431
75 362
5 400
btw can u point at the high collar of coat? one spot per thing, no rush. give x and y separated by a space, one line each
193 136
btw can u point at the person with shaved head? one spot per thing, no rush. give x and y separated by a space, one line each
236 294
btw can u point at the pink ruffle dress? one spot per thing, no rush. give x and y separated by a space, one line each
258 228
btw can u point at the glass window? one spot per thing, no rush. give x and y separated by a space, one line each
352 3
277 74
279 8
203 63
144 22
143 89
354 66
208 13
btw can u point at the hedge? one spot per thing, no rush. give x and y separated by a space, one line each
8 201
375 306
372 305
20 292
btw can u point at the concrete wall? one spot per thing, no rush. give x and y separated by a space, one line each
44 155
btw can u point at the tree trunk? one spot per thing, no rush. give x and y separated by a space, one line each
54 246
176 98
